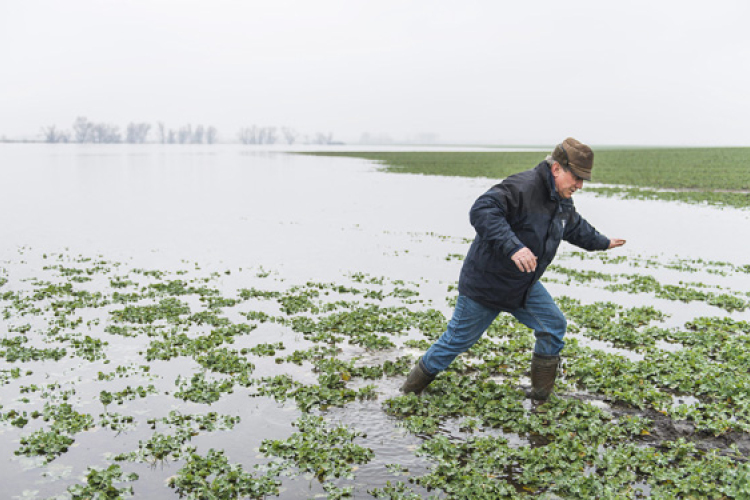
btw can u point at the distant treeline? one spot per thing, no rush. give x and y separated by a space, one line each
85 131
269 135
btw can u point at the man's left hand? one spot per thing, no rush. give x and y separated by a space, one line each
615 242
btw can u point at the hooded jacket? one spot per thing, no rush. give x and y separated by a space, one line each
523 210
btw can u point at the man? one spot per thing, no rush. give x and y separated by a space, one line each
519 225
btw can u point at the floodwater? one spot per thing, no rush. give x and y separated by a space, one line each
301 218
241 206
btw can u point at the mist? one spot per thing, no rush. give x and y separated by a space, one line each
487 72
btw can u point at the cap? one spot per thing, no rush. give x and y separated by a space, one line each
576 156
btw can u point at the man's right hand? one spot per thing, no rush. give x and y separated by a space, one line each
525 260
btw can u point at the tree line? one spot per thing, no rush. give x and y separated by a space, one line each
270 135
86 131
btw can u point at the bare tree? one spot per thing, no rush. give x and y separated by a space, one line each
86 131
137 133
258 135
198 134
82 129
49 133
131 133
321 138
211 134
52 135
270 135
248 135
104 133
185 134
290 135
161 132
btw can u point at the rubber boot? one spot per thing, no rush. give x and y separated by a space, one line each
417 380
543 374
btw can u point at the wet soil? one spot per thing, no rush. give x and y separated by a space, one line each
665 429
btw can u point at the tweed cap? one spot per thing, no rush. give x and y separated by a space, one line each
576 156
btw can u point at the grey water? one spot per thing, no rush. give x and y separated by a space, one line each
230 207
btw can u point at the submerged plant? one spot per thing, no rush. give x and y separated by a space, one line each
345 343
326 452
100 483
212 476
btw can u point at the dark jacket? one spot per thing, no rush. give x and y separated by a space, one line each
523 210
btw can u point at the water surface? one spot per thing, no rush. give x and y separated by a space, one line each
240 211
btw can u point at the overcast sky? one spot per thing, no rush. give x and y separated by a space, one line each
533 72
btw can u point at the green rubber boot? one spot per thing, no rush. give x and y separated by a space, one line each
543 374
417 380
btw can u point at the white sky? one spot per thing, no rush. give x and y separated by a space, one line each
533 72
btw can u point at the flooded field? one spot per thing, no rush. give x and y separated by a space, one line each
220 322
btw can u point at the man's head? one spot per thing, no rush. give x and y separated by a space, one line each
571 164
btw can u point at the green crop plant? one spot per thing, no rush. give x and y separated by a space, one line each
212 476
209 422
604 434
686 174
101 483
49 444
129 393
264 349
223 360
200 390
169 309
160 448
395 491
326 452
117 422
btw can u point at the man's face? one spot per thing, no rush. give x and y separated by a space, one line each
566 182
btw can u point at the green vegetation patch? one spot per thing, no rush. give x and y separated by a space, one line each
212 476
101 483
608 432
326 452
696 175
644 283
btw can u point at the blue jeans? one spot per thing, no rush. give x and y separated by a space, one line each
471 319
